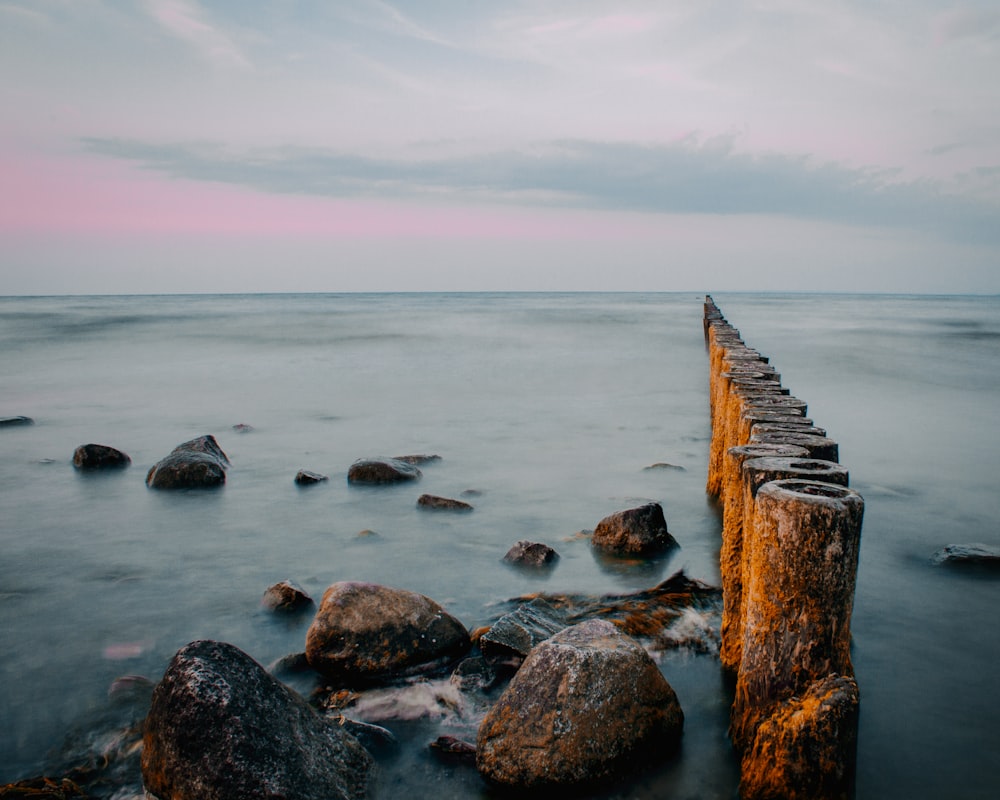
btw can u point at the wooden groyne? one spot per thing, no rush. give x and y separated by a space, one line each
791 533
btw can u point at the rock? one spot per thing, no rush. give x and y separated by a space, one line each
531 554
242 427
665 465
221 728
131 690
367 633
637 531
442 503
416 460
199 463
588 705
287 597
982 555
807 748
305 477
450 747
99 456
375 471
650 614
42 789
519 631
10 422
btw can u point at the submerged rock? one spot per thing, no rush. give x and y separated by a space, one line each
221 728
42 789
305 477
367 633
637 531
416 460
285 596
588 705
652 614
442 503
531 554
99 456
199 463
974 554
376 471
10 422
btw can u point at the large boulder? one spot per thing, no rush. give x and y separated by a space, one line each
221 728
588 705
195 464
636 532
367 633
376 471
99 456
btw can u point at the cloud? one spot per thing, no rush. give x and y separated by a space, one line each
688 177
186 20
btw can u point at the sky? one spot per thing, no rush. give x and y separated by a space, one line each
152 146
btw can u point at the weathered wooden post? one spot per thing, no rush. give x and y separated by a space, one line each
754 473
802 560
731 551
790 538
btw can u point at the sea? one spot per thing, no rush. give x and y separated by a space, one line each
548 410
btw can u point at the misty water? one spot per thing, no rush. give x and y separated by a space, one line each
550 406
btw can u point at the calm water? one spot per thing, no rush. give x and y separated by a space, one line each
550 406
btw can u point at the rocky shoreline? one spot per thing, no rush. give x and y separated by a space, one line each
562 687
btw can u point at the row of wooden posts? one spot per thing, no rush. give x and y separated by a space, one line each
791 533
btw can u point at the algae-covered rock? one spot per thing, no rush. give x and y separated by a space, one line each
221 728
587 706
365 633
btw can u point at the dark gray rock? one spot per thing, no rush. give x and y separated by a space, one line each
221 728
99 456
638 531
973 554
286 597
199 463
587 706
376 471
367 633
665 466
519 631
531 554
434 502
305 477
11 422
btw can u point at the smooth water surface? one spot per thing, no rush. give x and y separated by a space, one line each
550 406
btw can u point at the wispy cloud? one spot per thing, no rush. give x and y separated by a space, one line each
187 21
687 177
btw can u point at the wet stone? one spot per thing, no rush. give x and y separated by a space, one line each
99 456
636 531
434 502
531 554
520 630
286 597
305 477
377 471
